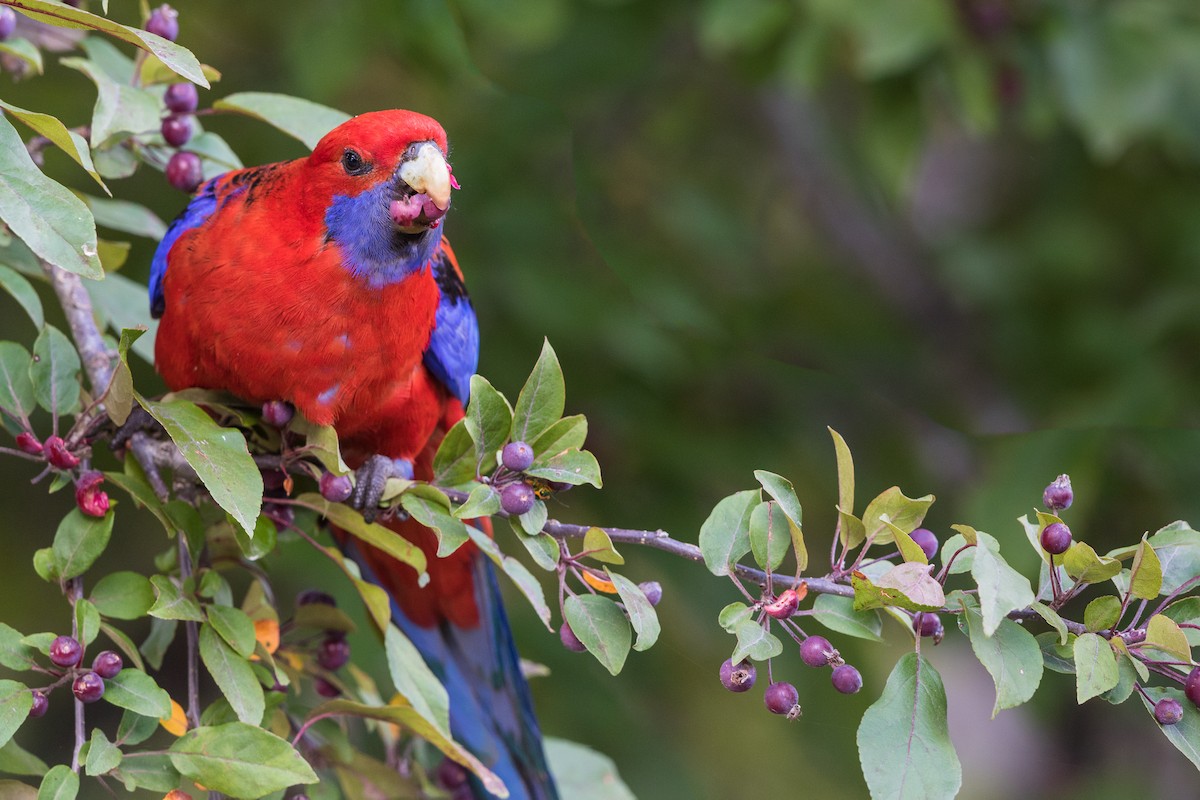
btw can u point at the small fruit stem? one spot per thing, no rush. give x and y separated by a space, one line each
1143 693
1183 587
1124 607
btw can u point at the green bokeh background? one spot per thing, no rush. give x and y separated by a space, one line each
964 234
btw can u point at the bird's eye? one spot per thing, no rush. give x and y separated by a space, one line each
353 163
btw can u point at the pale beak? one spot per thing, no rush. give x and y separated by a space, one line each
428 173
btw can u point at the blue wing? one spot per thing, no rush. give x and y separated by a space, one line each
198 210
453 352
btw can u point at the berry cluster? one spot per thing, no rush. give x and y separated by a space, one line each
519 492
184 170
91 499
87 685
332 652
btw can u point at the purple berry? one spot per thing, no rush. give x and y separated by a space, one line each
333 653
570 640
450 775
846 679
927 540
107 664
1058 495
88 687
652 590
41 704
58 455
1191 686
65 651
182 98
784 605
310 596
335 488
928 624
164 22
1168 711
816 651
184 171
8 22
27 441
1056 538
738 677
516 456
326 689
176 130
782 698
277 413
283 516
516 499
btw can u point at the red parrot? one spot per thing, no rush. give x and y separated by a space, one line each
326 282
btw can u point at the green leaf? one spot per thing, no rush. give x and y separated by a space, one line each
425 504
43 213
87 620
15 760
239 760
1178 549
121 110
905 513
1011 656
601 627
135 728
542 399
13 653
838 614
379 607
1084 566
784 493
55 372
102 756
15 702
234 626
755 642
1001 588
641 614
60 783
262 543
415 681
218 455
570 466
136 691
1185 734
162 633
16 387
903 740
124 643
1127 678
533 520
320 441
1052 619
599 547
909 549
1163 633
126 217
769 534
725 535
23 292
489 418
1101 613
171 603
150 771
908 585
79 541
569 433
118 397
26 51
57 134
543 547
583 774
517 573
1146 577
845 471
298 118
1185 610
1095 667
233 676
483 501
733 615
321 617
454 463
372 533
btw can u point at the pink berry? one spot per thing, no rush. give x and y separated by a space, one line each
326 689
65 651
91 499
929 625
784 605
28 443
277 413
1168 711
333 653
8 23
164 22
652 590
1058 495
1191 686
184 171
926 540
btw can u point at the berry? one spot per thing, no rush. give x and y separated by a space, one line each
784 605
41 704
1168 711
164 22
816 651
1056 538
182 98
58 455
516 456
1058 495
652 590
516 499
738 677
846 679
928 624
326 689
107 664
310 596
26 440
782 698
8 22
450 775
1191 686
333 653
570 640
88 687
176 130
277 413
184 171
561 486
927 540
335 488
282 516
65 651
91 499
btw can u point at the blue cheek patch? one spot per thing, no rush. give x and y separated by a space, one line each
371 246
196 214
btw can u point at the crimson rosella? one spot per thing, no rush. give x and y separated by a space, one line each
326 282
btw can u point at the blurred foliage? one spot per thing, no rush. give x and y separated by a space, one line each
962 232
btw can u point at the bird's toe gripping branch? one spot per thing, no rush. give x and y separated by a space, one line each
371 479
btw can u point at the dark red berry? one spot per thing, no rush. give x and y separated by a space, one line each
182 98
58 455
782 698
91 499
333 653
26 440
1168 711
927 540
326 689
107 664
88 687
816 651
846 679
8 22
65 651
561 486
277 413
516 456
928 624
1191 686
516 499
164 22
41 704
176 130
1056 538
570 640
652 590
784 605
450 775
283 516
1058 495
310 596
738 677
184 171
335 488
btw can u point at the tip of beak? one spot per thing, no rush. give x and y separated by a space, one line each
428 173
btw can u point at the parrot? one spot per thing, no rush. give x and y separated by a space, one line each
326 282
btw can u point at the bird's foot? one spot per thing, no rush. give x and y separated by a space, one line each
371 479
